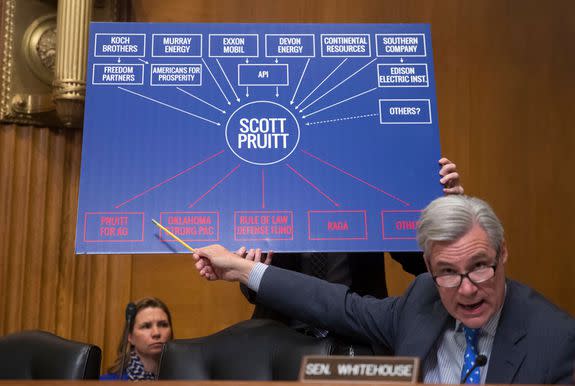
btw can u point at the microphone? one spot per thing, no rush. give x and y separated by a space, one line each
480 361
130 315
130 312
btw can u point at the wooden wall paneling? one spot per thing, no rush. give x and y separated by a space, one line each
549 140
80 293
97 298
117 296
53 231
17 230
33 284
452 79
556 141
89 286
556 179
516 79
7 148
261 11
531 122
66 299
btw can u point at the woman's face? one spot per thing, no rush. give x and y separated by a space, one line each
151 330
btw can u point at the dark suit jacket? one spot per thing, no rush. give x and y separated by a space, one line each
362 272
534 342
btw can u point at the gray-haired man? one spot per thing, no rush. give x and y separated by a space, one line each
462 309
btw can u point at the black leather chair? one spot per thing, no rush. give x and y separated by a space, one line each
255 349
42 355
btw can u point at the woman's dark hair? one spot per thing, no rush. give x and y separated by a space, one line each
124 347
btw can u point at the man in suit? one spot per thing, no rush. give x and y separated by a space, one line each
464 306
362 272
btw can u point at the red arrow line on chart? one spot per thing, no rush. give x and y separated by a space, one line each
169 179
357 178
263 190
213 187
312 185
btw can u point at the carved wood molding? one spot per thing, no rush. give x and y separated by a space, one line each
35 87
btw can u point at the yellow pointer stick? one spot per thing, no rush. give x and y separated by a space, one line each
174 236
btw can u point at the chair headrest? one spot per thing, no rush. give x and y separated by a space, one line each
256 349
39 354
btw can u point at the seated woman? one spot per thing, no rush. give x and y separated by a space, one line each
140 350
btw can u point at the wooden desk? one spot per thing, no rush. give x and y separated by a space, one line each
176 383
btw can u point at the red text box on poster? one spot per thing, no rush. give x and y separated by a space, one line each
263 225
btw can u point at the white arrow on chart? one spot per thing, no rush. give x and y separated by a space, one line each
340 102
339 84
172 107
201 100
326 78
217 84
298 83
341 119
142 60
230 83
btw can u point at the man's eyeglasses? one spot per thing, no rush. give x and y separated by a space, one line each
476 276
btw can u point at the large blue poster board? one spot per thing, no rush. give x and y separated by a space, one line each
290 137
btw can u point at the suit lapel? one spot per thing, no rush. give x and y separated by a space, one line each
431 320
508 350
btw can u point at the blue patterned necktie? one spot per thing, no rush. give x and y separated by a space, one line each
471 335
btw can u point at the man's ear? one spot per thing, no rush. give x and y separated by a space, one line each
426 261
503 253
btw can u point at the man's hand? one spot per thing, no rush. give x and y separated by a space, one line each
450 177
255 255
215 262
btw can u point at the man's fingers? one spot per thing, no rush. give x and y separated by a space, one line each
444 161
250 255
447 168
269 258
241 251
258 255
450 179
455 190
207 272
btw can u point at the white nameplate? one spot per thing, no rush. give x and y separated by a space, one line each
359 369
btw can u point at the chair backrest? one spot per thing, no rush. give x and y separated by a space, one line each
255 349
42 355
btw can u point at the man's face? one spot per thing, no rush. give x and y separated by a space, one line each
472 304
